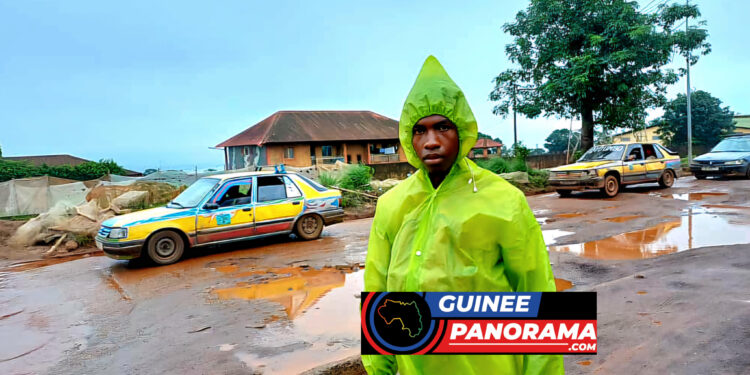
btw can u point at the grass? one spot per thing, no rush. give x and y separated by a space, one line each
83 240
327 180
19 217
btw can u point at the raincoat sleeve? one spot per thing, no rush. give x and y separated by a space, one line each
376 270
528 270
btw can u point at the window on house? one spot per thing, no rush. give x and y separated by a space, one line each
626 139
289 153
327 150
656 137
478 151
246 150
349 159
359 158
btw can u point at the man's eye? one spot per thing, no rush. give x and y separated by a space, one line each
418 130
443 128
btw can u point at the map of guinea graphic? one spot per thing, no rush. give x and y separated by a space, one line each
407 314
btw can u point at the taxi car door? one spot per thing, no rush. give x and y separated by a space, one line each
655 162
228 214
279 201
634 169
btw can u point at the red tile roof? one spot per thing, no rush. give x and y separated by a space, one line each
57 160
316 126
486 143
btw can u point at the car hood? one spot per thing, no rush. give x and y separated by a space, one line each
723 156
146 216
583 165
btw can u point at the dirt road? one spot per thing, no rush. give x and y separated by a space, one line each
282 306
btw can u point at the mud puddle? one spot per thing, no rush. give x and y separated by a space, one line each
697 228
323 306
562 284
622 219
34 264
569 215
689 196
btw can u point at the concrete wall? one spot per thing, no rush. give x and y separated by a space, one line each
392 170
547 160
276 155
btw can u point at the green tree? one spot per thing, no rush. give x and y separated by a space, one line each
710 121
600 60
557 141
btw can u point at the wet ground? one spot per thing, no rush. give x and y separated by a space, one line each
671 267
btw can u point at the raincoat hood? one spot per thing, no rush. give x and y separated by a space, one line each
435 93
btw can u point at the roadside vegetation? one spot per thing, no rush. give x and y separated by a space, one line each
356 179
10 170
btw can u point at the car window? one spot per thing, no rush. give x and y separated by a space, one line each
635 150
271 188
195 193
734 144
650 152
236 193
606 152
292 191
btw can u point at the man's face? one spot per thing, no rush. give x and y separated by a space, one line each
435 139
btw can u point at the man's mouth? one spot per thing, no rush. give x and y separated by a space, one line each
432 159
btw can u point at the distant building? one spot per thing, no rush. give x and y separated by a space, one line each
649 134
485 148
305 138
58 160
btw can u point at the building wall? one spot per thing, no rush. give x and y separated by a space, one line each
276 155
354 149
647 135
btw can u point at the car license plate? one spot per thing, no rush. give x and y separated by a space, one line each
710 168
99 245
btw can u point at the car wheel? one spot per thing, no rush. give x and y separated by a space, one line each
309 227
700 176
667 179
747 173
611 186
564 193
165 247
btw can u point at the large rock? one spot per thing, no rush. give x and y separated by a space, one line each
131 199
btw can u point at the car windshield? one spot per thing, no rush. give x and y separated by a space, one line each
733 144
194 194
608 152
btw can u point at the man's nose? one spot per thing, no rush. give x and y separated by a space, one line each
432 142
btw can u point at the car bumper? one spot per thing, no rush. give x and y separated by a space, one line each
722 170
576 184
120 250
331 217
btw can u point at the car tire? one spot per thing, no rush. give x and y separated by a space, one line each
747 172
611 186
667 179
309 227
564 193
700 176
165 247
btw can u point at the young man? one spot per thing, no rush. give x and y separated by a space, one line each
453 227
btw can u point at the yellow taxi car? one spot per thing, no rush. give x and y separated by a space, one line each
223 208
609 167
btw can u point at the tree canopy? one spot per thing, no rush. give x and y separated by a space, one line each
710 121
598 60
557 141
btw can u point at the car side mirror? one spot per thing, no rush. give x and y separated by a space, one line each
210 206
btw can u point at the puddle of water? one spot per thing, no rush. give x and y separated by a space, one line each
569 215
562 284
25 266
330 328
622 219
696 229
294 288
690 196
727 206
551 235
542 220
642 292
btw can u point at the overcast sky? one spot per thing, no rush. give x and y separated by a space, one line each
155 84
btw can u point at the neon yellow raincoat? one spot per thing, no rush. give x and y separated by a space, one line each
475 232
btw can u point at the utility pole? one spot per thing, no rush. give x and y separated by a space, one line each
515 131
689 109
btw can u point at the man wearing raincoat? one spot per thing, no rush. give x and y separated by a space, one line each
453 228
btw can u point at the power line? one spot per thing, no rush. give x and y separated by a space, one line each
678 26
654 7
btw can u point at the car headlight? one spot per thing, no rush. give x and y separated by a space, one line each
734 162
593 173
117 233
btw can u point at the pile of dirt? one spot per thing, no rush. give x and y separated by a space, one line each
157 192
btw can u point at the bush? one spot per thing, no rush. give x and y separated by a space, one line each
356 178
10 170
327 180
519 165
495 165
538 178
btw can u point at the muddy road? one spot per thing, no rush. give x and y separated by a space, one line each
672 268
